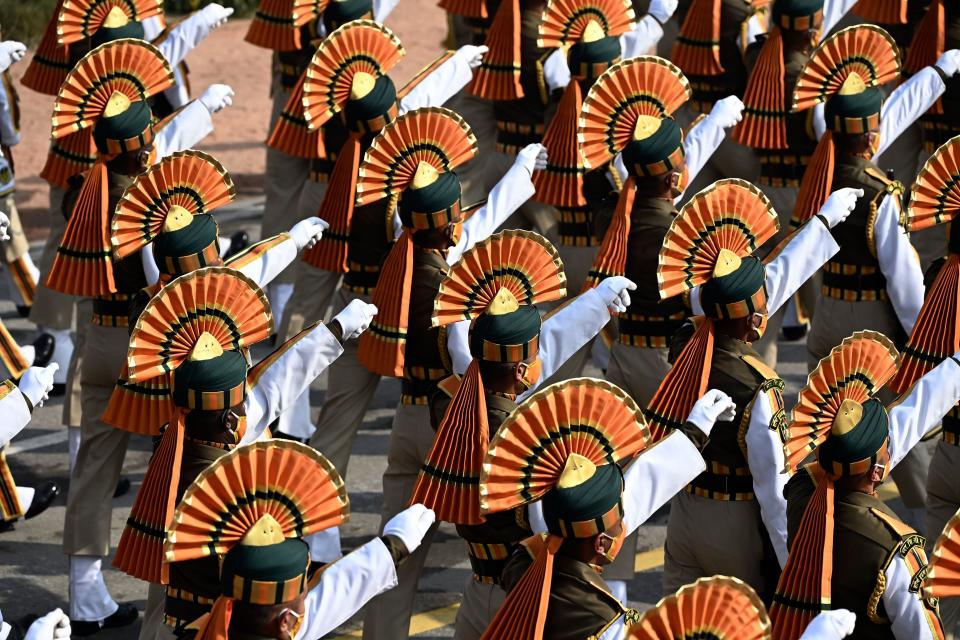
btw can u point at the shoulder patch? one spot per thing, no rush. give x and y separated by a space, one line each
877 174
908 537
760 367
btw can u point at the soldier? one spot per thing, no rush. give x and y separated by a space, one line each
847 548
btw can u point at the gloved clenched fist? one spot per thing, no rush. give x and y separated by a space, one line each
4 226
11 51
532 157
215 15
355 318
714 405
949 62
53 626
662 10
217 97
727 112
307 233
831 625
37 383
615 294
410 525
840 205
472 55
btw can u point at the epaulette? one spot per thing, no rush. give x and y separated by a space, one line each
6 387
760 367
449 385
909 538
911 550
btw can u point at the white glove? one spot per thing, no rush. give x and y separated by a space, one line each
355 318
949 62
37 383
614 293
727 112
306 233
215 15
217 97
410 525
532 157
839 205
472 55
11 51
712 406
53 626
4 226
662 10
831 625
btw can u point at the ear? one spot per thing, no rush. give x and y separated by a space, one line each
598 547
520 370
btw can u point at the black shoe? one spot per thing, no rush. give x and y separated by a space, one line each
794 333
126 615
238 242
23 311
6 525
43 497
123 487
43 348
59 389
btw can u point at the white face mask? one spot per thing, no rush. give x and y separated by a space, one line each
296 627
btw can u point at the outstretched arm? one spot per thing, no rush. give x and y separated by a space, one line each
899 262
923 407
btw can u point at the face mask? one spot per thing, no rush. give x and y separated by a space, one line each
296 625
615 545
885 471
679 183
874 143
760 326
532 374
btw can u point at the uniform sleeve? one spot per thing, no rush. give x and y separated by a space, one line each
808 249
921 410
908 102
345 586
383 8
641 39
440 85
656 475
9 136
699 144
192 124
263 267
277 381
514 188
184 37
765 458
556 72
833 12
909 618
564 332
458 346
15 411
899 263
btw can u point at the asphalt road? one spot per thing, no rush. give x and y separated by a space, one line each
33 567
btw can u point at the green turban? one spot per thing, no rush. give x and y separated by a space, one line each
187 249
215 384
505 338
440 195
339 13
588 508
279 571
656 154
589 59
737 294
855 113
103 35
798 15
855 451
126 131
375 107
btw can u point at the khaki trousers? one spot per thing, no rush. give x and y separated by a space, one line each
52 309
710 537
943 500
286 177
152 627
350 389
480 604
73 405
86 527
410 440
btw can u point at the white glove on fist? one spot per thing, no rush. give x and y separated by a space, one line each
830 625
714 405
472 55
307 233
615 294
355 318
532 157
949 62
37 383
11 51
727 112
217 97
215 15
4 226
840 205
662 10
410 525
53 626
